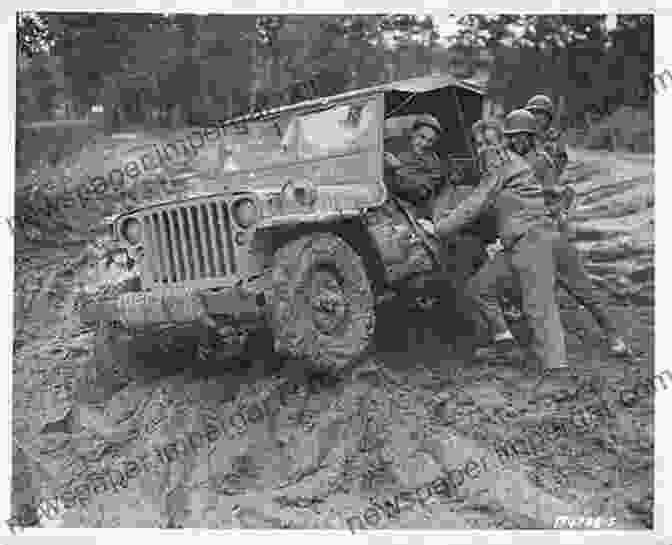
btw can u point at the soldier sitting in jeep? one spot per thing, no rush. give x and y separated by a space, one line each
415 175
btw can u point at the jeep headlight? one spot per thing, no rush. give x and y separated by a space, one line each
245 213
131 231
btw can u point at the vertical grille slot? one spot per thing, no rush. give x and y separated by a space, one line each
229 237
198 248
178 266
216 239
193 256
186 243
205 241
164 222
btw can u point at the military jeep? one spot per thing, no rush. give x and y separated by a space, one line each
297 233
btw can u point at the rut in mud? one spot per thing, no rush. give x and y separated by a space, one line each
260 448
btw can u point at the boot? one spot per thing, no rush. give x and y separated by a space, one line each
559 383
618 347
505 348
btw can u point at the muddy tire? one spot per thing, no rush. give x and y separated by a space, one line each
322 304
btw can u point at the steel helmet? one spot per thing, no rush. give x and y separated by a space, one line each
478 127
430 121
520 121
540 103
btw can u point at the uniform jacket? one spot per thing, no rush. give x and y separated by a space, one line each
551 143
511 189
544 167
558 198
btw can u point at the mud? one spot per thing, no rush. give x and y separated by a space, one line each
321 456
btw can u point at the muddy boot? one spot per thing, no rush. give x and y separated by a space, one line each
618 348
502 350
559 384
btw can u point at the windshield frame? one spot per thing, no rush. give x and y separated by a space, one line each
247 128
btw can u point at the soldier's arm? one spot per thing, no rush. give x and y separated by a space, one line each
557 149
558 198
544 168
471 207
562 158
404 186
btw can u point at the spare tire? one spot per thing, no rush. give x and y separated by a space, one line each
322 304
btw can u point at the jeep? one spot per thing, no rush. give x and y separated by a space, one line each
296 234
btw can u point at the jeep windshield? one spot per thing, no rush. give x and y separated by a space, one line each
340 129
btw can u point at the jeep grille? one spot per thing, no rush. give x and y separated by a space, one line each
188 242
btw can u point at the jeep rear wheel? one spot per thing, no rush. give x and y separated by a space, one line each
322 304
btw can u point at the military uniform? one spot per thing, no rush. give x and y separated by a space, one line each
570 271
515 195
571 274
551 143
550 140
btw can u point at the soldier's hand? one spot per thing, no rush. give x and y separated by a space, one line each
569 198
425 191
391 160
494 248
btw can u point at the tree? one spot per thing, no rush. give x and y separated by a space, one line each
574 58
40 87
32 35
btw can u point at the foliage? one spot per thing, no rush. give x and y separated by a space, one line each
40 86
32 34
137 65
581 63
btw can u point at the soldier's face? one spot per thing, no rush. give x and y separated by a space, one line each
422 139
491 137
543 119
479 142
521 143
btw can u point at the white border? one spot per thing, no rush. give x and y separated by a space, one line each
663 36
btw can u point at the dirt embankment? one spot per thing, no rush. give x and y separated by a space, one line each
320 457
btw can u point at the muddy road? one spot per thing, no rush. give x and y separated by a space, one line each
219 445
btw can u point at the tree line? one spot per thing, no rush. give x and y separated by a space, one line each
588 64
183 68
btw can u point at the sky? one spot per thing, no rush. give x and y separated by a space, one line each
447 23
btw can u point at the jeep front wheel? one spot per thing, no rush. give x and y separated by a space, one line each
322 304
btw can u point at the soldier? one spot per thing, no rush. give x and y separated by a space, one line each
571 273
417 178
549 138
488 139
415 175
527 234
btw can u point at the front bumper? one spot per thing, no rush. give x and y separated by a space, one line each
146 309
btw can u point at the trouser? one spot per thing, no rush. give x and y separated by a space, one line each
573 277
463 256
460 259
530 263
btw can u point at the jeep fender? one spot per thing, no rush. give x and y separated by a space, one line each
353 230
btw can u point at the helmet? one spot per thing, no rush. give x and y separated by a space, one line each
428 121
540 103
478 127
485 124
519 121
